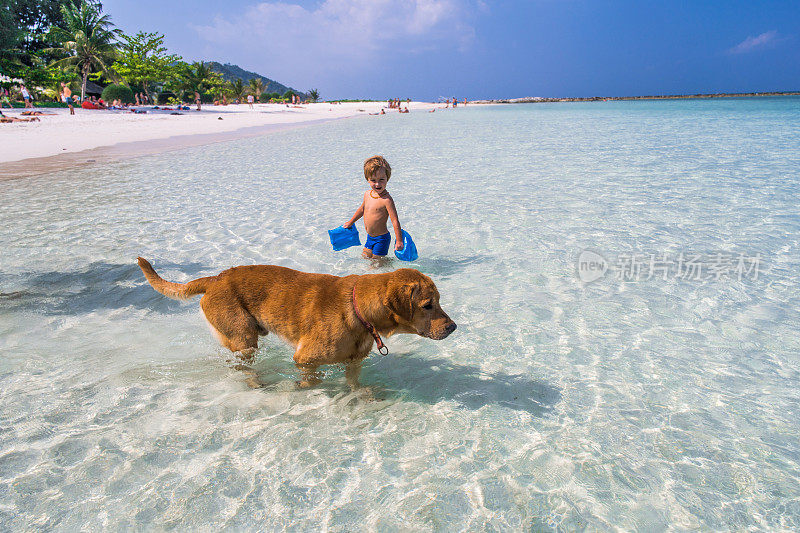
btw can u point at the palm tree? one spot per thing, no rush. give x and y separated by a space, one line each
88 40
313 94
197 77
257 87
237 89
11 39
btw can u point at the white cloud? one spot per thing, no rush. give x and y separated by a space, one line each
342 34
753 43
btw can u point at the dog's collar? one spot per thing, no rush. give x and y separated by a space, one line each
370 327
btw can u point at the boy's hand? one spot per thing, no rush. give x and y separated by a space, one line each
398 245
346 225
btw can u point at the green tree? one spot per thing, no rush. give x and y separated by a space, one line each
143 59
11 38
313 94
256 87
197 77
237 89
35 18
87 39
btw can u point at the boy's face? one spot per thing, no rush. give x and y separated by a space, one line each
378 181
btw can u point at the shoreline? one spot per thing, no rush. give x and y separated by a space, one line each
537 99
59 141
35 166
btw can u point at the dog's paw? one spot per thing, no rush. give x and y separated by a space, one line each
308 382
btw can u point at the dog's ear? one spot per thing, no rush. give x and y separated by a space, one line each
400 299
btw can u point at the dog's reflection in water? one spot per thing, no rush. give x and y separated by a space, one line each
256 380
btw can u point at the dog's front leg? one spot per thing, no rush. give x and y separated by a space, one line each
308 375
351 373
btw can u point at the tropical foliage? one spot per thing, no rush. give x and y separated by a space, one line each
196 77
118 92
46 42
143 59
256 87
237 89
87 40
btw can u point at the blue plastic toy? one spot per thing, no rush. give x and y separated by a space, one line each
342 237
409 251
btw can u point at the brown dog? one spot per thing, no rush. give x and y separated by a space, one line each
328 319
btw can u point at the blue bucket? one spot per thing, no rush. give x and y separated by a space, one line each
342 237
409 251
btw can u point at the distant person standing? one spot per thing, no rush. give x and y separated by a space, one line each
250 100
455 102
197 99
465 101
66 96
26 96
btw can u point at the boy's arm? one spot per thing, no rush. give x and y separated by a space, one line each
398 231
359 214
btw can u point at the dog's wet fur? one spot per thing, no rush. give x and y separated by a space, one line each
312 312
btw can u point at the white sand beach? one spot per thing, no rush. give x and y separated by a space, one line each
61 133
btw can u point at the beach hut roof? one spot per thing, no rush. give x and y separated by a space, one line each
93 89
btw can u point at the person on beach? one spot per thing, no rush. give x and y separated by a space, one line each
6 119
26 96
250 100
4 101
197 99
377 208
66 95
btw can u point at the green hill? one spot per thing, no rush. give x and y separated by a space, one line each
231 72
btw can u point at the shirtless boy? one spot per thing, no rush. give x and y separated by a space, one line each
377 208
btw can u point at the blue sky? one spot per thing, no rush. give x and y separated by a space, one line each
475 49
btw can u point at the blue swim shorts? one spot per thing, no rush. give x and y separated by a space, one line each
379 245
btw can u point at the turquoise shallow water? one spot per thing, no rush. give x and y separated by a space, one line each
658 396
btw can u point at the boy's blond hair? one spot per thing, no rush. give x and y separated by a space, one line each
372 165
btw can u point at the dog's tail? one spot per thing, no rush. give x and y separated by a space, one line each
177 291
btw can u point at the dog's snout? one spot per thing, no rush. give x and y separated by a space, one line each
451 327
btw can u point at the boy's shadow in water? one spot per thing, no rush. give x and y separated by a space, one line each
434 380
98 286
441 267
